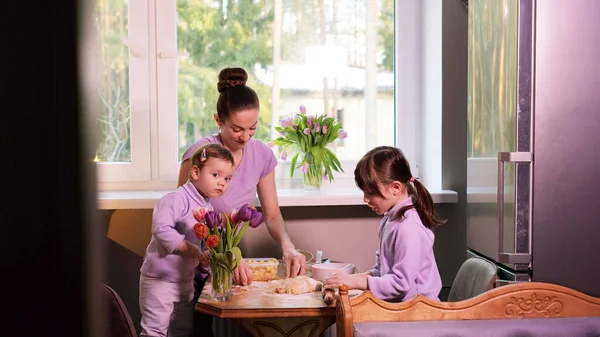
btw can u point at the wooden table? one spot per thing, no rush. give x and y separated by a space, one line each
265 313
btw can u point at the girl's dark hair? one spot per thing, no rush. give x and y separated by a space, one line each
211 151
234 94
386 164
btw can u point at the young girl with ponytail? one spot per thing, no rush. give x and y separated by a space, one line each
404 264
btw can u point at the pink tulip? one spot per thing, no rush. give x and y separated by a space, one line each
199 214
283 155
303 109
343 134
324 129
287 122
317 127
306 131
305 168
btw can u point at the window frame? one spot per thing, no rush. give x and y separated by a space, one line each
139 168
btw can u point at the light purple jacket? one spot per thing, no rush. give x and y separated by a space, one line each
172 222
405 265
257 162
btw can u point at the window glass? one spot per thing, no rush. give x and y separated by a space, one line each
111 21
320 54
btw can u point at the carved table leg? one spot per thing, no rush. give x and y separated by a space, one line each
287 327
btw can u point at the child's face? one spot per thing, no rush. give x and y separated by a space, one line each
391 195
214 177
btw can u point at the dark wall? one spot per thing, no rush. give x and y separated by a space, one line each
454 125
47 212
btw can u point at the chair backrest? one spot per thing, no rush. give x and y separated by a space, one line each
474 277
118 320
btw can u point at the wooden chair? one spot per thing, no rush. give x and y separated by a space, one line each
521 301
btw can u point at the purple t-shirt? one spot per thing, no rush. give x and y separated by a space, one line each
405 264
258 161
172 222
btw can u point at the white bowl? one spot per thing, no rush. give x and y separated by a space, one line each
322 270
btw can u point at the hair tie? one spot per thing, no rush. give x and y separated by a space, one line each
412 179
203 155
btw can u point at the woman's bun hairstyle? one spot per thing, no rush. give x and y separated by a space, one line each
231 78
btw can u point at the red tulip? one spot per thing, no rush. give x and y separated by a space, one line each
212 241
201 231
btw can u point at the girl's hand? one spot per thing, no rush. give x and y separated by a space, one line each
353 281
295 263
242 274
204 258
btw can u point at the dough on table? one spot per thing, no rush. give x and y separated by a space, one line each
298 285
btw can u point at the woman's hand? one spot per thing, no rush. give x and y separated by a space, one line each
295 263
242 274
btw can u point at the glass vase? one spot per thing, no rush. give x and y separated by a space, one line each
313 178
221 279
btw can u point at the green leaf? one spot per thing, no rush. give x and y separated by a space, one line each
293 166
240 234
334 160
228 230
316 152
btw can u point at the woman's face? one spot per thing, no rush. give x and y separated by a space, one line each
237 130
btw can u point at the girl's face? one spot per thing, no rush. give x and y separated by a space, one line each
237 130
391 195
214 177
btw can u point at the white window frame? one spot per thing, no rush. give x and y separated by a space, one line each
155 163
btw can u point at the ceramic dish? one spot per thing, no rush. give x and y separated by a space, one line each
322 270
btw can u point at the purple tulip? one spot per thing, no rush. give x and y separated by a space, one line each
343 134
213 219
306 131
287 122
283 155
244 213
257 219
303 109
317 127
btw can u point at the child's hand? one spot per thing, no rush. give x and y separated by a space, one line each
353 281
191 250
204 258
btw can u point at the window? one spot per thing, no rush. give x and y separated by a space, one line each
492 82
159 62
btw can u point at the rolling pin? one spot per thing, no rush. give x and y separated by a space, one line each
328 296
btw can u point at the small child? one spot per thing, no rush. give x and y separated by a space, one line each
167 273
404 264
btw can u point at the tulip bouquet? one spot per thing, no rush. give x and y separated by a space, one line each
311 135
221 233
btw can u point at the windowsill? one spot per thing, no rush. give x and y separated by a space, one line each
287 197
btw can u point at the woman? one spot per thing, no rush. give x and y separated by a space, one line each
237 117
